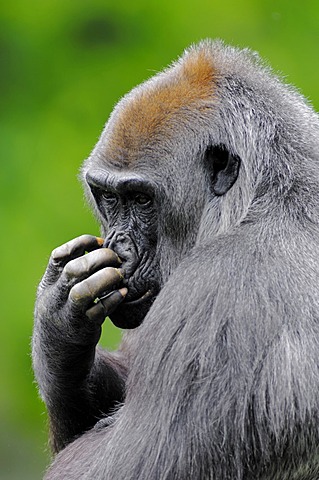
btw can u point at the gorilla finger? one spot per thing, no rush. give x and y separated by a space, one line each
66 252
84 266
102 281
106 305
75 248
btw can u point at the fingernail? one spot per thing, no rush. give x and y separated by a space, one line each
120 272
100 241
120 261
123 291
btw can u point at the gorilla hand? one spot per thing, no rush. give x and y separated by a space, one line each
68 322
71 284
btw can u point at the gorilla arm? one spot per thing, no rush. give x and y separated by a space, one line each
78 382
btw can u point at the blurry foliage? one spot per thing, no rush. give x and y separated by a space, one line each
63 65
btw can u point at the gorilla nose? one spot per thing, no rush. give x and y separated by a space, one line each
123 245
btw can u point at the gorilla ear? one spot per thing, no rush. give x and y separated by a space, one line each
223 167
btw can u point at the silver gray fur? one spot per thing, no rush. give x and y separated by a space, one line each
224 375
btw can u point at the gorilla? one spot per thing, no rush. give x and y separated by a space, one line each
205 181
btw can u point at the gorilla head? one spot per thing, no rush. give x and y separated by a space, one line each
156 166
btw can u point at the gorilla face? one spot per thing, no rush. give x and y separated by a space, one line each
140 223
128 213
158 164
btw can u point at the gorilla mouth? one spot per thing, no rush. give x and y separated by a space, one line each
139 290
132 311
141 281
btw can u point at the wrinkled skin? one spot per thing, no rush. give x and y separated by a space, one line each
130 217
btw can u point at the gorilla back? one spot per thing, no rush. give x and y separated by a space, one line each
222 371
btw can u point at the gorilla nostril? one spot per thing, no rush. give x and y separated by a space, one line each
123 245
113 239
120 239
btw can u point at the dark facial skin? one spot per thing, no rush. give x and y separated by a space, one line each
128 210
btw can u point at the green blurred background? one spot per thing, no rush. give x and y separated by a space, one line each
64 64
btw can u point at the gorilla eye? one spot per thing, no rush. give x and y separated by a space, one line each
142 199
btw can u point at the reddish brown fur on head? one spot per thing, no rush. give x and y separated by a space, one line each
143 116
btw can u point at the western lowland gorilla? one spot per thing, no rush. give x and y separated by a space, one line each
206 184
